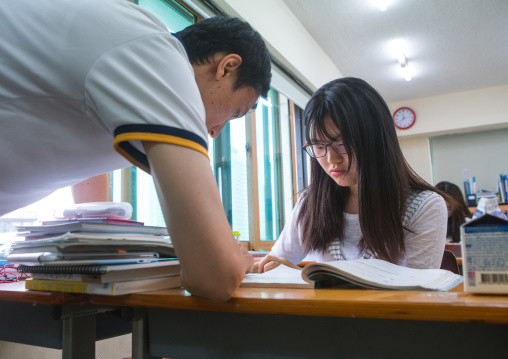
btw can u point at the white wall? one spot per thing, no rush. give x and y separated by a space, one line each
471 111
416 151
477 110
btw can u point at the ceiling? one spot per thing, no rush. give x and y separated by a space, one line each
450 45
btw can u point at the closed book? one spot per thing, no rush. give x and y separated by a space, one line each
94 220
77 226
74 242
104 273
32 236
81 258
114 288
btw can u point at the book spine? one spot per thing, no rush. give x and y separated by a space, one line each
506 187
501 189
57 286
69 286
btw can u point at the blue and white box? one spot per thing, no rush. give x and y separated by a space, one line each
485 254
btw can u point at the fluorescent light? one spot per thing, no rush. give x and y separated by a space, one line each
404 66
406 73
402 59
398 47
381 4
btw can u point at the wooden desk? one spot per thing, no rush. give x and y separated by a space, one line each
325 323
502 207
64 321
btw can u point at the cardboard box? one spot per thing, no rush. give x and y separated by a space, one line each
485 255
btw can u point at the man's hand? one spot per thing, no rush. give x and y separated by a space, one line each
248 260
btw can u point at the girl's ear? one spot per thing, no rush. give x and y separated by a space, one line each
228 65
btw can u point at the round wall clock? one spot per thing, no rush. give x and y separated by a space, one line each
404 118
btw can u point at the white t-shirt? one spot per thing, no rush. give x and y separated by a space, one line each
82 82
424 247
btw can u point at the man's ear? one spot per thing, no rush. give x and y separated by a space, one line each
228 65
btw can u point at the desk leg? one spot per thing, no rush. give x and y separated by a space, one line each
140 342
79 337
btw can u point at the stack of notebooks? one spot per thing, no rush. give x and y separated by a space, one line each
96 256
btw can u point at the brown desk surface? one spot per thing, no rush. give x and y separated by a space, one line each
16 292
451 306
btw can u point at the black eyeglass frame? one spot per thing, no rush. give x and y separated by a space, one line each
308 149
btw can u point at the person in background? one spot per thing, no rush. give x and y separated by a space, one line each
91 86
457 213
363 201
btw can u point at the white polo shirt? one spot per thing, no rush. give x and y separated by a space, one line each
82 82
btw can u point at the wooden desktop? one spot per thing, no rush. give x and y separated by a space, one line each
265 323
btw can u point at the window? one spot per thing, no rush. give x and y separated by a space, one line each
37 211
274 163
252 162
228 156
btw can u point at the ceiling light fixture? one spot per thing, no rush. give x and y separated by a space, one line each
402 59
404 65
399 49
381 4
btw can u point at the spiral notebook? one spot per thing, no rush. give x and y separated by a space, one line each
104 273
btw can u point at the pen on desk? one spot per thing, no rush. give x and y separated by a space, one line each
474 185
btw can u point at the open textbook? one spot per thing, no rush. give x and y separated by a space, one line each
370 273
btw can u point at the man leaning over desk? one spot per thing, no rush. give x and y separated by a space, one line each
91 86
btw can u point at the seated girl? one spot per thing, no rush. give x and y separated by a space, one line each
456 214
363 201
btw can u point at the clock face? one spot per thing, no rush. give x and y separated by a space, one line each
404 118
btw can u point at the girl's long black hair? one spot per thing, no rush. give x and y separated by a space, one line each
384 177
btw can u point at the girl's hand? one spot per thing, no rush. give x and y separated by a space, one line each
270 262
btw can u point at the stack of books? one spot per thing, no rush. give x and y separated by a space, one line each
96 256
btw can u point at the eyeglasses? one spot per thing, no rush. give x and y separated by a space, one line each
320 150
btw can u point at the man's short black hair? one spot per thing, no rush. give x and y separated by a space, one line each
232 36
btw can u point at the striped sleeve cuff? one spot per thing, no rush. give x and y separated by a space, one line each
153 133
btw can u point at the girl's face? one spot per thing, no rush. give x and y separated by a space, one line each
335 164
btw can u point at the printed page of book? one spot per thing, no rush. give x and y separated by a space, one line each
382 274
280 277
